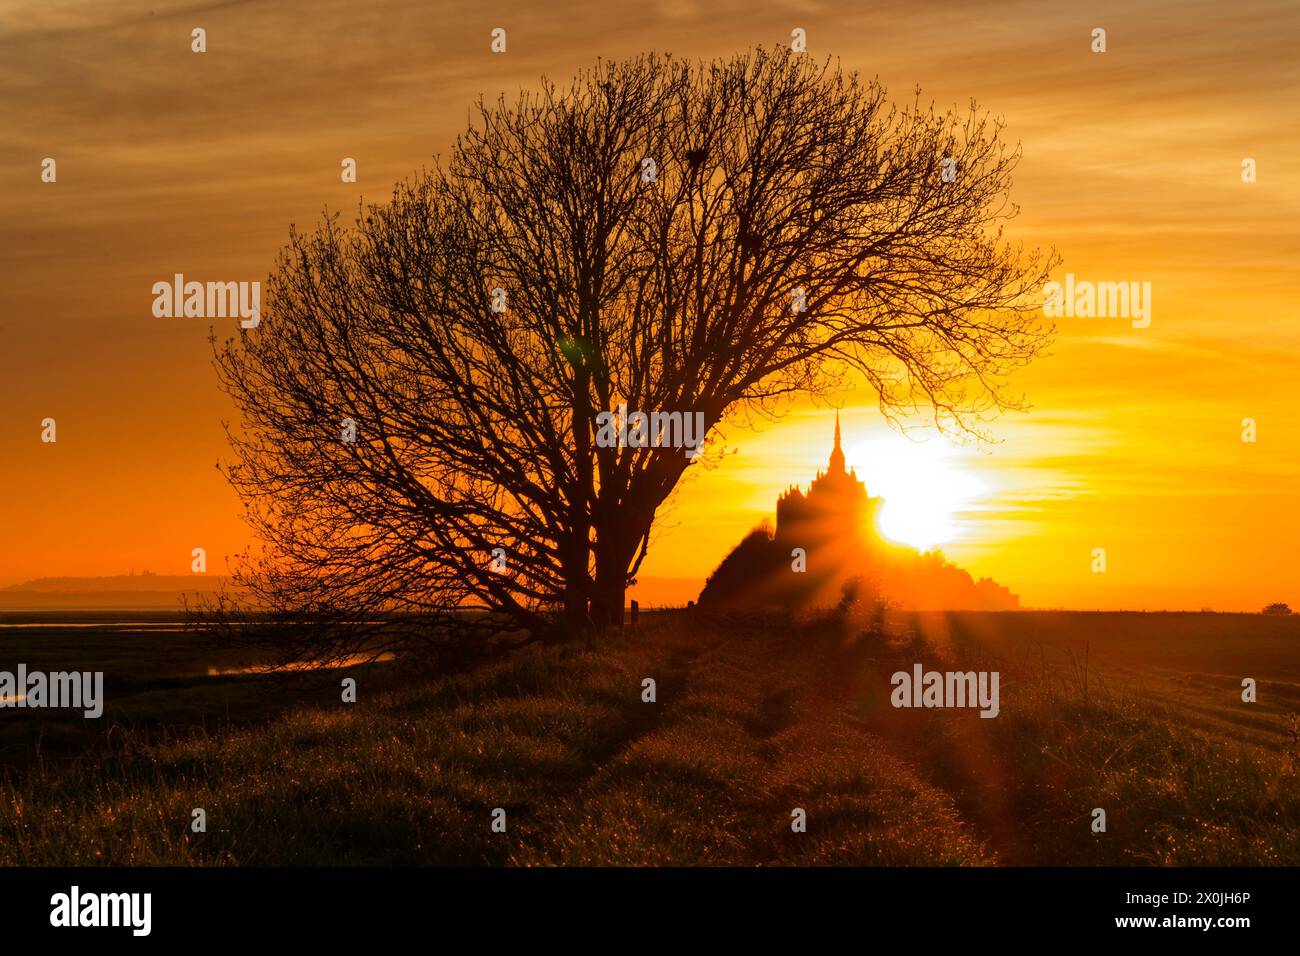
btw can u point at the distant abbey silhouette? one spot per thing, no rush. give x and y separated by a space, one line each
836 504
828 536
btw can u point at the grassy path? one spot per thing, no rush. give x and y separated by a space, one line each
743 738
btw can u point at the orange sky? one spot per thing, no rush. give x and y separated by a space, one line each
174 162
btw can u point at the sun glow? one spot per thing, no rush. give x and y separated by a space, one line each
925 487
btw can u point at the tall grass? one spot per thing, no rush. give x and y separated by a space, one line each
753 719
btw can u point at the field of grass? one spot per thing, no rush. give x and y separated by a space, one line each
1137 714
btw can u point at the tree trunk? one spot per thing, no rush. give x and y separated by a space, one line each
613 554
607 606
610 591
577 576
576 615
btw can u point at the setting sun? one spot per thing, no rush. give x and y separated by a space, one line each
925 488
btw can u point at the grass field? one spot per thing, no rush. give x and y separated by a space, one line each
1140 715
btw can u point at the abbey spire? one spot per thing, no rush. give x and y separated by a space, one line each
837 453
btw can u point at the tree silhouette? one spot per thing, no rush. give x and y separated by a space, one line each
700 238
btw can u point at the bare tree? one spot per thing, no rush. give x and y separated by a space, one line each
703 238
